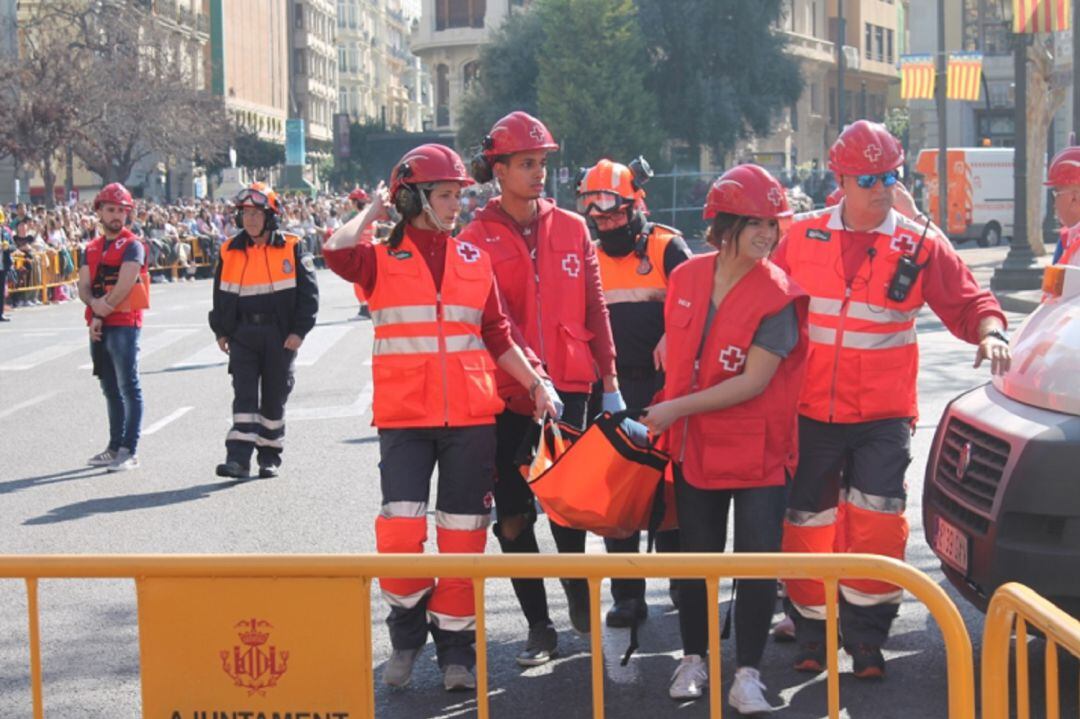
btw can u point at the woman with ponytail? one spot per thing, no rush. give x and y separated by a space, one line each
438 323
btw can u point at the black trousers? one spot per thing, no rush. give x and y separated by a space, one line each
703 518
262 378
638 387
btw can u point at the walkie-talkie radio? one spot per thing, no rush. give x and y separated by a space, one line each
907 271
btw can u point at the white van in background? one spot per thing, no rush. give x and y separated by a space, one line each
980 186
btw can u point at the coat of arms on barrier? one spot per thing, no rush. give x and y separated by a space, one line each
255 666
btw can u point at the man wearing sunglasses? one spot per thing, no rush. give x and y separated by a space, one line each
636 258
869 263
265 301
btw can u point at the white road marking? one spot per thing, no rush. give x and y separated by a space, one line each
45 354
209 356
317 343
155 343
166 420
357 409
28 403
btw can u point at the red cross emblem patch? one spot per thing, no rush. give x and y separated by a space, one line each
571 265
537 133
903 243
468 252
872 152
775 196
733 359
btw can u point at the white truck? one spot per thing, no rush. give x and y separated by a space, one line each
980 187
1001 500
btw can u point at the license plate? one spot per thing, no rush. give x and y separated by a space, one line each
951 545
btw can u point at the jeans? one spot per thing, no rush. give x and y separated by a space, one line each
117 366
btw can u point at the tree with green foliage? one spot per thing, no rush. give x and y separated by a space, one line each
721 72
507 77
591 87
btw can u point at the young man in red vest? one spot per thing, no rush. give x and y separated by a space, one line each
546 269
1064 179
114 286
869 265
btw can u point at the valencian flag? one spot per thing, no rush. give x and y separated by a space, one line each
1031 16
917 77
965 76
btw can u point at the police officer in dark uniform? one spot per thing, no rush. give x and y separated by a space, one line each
636 257
265 301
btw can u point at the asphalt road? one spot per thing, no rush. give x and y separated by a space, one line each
52 418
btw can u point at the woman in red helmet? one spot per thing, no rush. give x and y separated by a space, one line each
547 271
735 350
359 199
438 323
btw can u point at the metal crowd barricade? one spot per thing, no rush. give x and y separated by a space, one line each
1015 606
713 567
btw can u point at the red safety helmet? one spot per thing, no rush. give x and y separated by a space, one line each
359 194
115 193
428 163
517 132
865 148
608 186
748 190
258 194
834 197
1064 168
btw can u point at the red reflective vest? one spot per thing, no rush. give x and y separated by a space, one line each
107 259
1071 254
751 444
864 358
545 298
430 366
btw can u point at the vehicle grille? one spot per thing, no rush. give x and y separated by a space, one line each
989 455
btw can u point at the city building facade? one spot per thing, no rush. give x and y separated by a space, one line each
313 67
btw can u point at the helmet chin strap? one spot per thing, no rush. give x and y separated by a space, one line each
439 224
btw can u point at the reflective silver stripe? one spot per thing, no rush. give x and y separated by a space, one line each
861 311
635 294
241 436
864 340
802 518
451 623
233 287
464 343
252 418
875 502
810 611
406 601
460 313
405 346
264 442
865 599
391 510
254 290
462 522
403 314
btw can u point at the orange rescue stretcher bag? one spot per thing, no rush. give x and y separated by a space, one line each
602 481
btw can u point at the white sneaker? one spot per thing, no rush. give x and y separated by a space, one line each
124 461
747 695
102 459
690 679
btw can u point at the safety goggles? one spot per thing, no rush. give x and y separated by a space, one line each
251 198
599 203
888 179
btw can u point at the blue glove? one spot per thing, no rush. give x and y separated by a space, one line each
613 402
636 431
549 388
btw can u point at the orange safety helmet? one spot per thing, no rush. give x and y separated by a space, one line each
428 163
834 197
1064 168
359 195
747 190
865 148
258 194
517 132
116 194
608 186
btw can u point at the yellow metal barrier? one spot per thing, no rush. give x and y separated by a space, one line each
713 567
1016 605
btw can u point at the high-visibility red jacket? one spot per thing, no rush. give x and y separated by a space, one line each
430 365
864 358
1071 254
104 260
548 298
754 443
